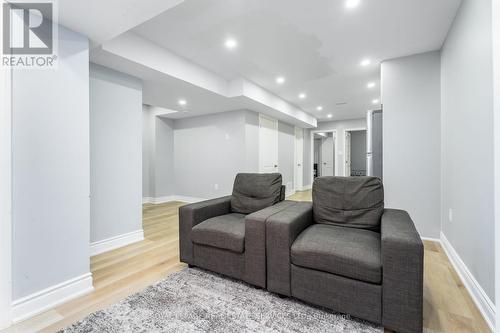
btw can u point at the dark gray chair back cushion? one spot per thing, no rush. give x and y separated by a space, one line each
255 191
356 202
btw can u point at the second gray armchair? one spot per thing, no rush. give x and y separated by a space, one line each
346 252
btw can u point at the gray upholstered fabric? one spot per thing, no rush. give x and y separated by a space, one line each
356 202
283 193
221 261
224 232
281 231
403 266
349 252
191 215
255 243
254 191
357 298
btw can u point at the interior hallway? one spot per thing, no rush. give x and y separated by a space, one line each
122 272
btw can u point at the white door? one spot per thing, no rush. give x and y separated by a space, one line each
327 161
299 158
347 154
268 144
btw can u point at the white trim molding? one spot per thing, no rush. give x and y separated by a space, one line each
48 298
112 243
478 295
170 198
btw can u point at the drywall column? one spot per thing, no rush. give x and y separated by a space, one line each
116 157
411 158
5 194
50 156
468 210
496 131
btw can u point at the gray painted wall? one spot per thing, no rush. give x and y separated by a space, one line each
209 150
164 157
50 156
115 153
358 151
467 140
339 126
286 151
190 156
148 128
411 99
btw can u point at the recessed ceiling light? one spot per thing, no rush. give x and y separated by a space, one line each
280 80
352 3
302 96
365 62
376 101
329 116
370 85
319 108
231 43
182 102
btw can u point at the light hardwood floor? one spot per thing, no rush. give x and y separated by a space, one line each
119 273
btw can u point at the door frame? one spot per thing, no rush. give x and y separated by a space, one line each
354 129
275 121
295 160
311 160
5 194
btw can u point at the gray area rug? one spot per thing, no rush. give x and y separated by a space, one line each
193 300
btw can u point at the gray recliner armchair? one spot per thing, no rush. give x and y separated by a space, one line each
227 235
344 251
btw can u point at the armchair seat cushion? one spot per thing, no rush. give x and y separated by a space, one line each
348 252
224 232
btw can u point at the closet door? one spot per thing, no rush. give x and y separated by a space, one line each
327 160
268 144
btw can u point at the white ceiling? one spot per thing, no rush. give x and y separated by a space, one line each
318 48
102 20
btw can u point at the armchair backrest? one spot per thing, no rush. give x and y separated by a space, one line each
255 191
356 202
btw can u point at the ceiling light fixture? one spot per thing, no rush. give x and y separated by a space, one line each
352 3
182 102
365 62
302 96
376 101
231 43
329 116
319 108
370 85
280 80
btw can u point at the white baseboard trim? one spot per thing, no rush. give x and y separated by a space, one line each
112 243
170 198
287 194
306 187
48 298
483 302
184 198
160 200
430 239
147 200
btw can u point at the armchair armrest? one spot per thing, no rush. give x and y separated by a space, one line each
193 214
255 242
281 231
403 272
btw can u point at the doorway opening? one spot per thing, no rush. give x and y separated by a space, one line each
324 153
355 152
